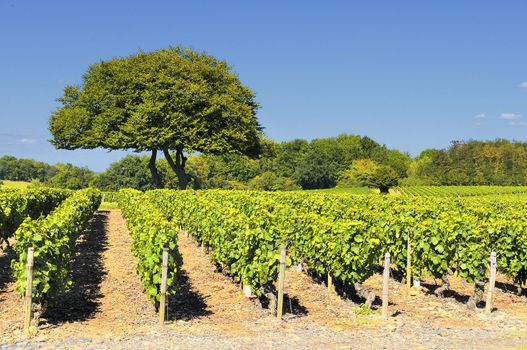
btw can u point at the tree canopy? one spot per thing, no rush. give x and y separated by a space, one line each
498 162
15 169
365 172
172 100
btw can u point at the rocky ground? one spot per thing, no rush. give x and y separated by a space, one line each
107 309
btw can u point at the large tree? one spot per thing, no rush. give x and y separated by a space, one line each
173 100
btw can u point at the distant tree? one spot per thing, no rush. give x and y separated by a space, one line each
173 100
15 169
365 172
215 171
322 160
420 170
129 172
358 174
36 183
287 157
70 176
498 162
268 181
383 178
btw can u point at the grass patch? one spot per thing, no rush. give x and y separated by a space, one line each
353 190
13 184
108 205
362 309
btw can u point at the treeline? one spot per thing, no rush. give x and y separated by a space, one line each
346 161
498 162
40 173
293 165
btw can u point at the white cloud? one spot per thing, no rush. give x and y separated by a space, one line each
14 139
482 116
510 116
523 85
27 140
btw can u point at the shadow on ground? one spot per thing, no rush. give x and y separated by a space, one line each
80 302
187 304
510 288
292 306
449 293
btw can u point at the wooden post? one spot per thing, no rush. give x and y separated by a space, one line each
29 290
331 286
408 263
281 278
164 273
386 276
492 282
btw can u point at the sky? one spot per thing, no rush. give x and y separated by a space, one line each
410 74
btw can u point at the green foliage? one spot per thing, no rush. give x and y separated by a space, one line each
171 99
215 171
363 310
412 181
498 162
17 205
383 177
15 169
365 172
239 244
53 239
346 235
71 177
323 160
245 229
268 181
129 172
151 232
461 191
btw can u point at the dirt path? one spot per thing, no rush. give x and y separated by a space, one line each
9 299
106 298
210 301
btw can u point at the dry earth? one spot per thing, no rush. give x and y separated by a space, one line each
107 309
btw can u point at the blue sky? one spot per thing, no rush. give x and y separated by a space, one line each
410 74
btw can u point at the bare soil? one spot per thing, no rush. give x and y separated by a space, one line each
106 308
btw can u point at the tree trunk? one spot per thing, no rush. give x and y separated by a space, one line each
445 285
155 175
365 293
479 287
384 189
179 167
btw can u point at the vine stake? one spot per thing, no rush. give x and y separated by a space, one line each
408 262
386 276
29 290
281 278
331 285
164 273
492 282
